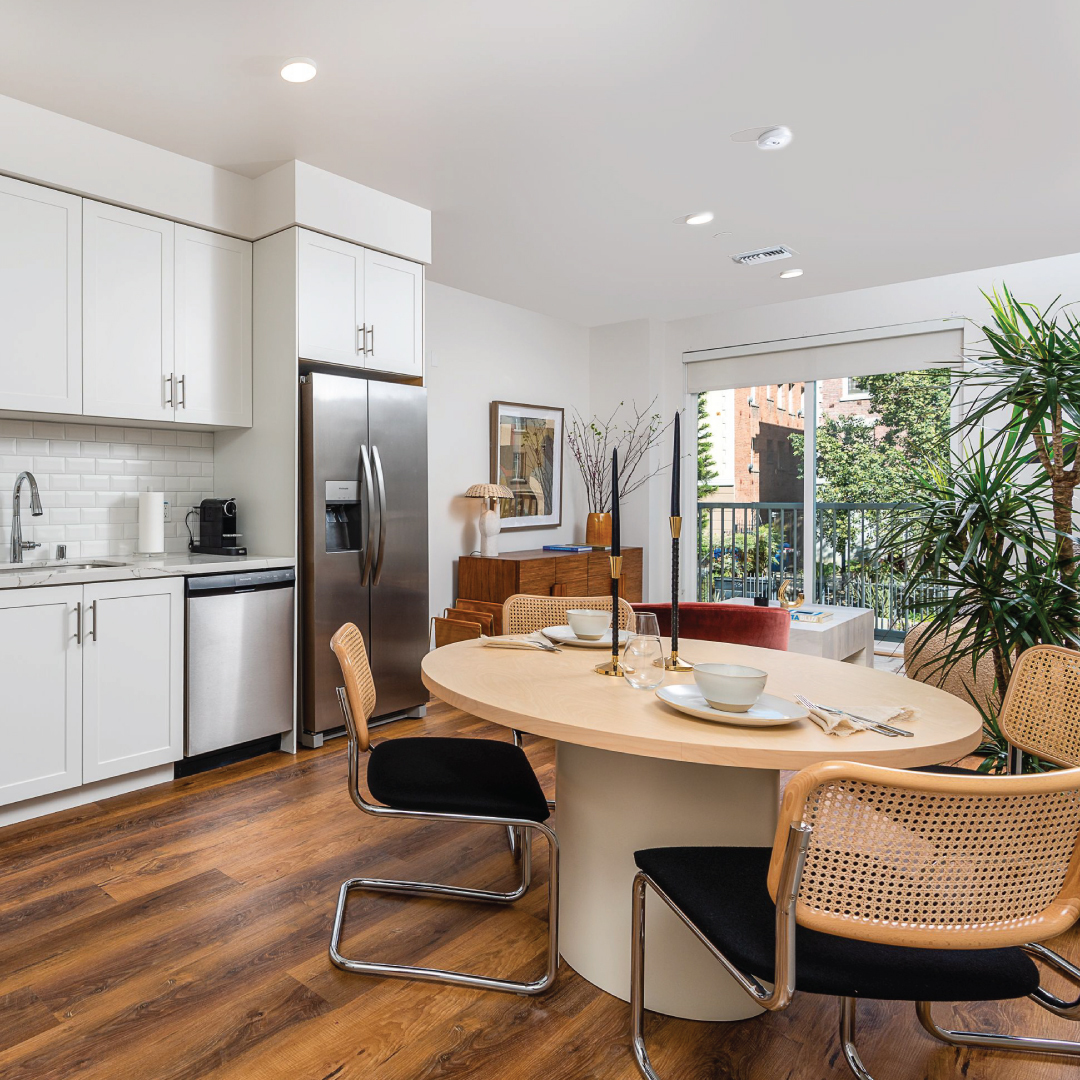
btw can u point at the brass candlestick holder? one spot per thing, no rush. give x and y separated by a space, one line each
672 662
612 666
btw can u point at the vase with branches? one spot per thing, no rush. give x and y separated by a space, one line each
634 436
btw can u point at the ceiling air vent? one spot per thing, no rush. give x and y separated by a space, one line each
769 254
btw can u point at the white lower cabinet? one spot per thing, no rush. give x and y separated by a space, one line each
93 680
133 676
41 675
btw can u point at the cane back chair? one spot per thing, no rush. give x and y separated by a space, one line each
480 781
889 884
525 614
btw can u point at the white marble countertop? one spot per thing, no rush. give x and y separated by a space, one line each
76 571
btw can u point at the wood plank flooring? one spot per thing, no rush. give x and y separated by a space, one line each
181 932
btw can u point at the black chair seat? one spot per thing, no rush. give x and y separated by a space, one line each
456 776
946 770
723 892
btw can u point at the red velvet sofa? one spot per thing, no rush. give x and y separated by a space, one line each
739 624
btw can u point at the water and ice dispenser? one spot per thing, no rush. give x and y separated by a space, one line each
343 516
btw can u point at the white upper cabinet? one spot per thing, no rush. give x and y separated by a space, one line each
41 671
360 307
133 676
128 368
213 329
394 308
40 298
331 300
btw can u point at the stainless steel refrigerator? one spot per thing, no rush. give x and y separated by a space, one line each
364 551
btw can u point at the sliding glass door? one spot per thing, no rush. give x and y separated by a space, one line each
797 481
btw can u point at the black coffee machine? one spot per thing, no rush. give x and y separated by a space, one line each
218 534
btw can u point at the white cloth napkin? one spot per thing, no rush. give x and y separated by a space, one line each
517 641
842 726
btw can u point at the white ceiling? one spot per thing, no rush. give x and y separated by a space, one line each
555 140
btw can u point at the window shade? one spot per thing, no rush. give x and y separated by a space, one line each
899 352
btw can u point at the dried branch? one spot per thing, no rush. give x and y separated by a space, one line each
592 441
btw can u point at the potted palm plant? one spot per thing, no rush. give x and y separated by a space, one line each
986 543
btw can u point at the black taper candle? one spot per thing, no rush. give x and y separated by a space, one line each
676 477
616 541
676 520
616 552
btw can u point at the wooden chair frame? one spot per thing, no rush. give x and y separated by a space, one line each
794 851
524 613
357 701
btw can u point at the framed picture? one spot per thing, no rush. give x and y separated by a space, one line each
527 457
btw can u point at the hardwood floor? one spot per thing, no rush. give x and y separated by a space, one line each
181 932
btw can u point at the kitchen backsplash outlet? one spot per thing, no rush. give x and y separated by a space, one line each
90 477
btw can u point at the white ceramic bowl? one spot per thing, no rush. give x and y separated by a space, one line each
730 687
587 624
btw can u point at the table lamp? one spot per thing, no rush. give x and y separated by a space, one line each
490 521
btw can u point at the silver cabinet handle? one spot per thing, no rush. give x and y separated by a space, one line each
170 393
181 384
370 546
377 461
93 630
372 331
361 339
78 622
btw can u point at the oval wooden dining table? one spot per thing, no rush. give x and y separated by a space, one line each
632 773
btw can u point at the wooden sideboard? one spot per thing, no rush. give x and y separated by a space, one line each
548 573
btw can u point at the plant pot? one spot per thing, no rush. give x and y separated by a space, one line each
598 530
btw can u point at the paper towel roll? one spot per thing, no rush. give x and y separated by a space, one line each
151 521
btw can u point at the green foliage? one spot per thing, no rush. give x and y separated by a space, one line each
982 564
1031 376
706 466
854 464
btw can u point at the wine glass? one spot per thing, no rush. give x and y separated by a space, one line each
642 651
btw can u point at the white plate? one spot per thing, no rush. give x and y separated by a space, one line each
563 635
767 711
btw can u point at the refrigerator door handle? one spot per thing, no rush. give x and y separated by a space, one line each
369 547
377 462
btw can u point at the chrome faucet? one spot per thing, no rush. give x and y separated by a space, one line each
18 545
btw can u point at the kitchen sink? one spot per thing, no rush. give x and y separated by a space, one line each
34 568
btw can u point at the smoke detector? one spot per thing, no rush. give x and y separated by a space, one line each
762 255
775 138
767 137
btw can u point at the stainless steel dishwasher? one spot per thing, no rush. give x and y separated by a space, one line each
239 684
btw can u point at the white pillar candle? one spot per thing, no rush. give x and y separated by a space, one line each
151 522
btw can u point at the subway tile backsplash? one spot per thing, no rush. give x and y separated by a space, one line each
90 477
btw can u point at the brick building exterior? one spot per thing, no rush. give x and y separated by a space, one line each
752 427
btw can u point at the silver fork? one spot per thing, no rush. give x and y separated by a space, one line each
862 721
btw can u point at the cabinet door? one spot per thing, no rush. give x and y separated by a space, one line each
127 314
41 675
40 298
133 676
331 300
394 306
213 328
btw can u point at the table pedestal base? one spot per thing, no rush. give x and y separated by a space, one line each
611 805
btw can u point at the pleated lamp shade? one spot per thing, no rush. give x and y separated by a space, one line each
489 491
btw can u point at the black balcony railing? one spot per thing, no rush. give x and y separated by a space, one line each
747 549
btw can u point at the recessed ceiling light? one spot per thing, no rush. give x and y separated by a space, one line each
702 218
790 273
298 69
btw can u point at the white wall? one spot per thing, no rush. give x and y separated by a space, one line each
479 351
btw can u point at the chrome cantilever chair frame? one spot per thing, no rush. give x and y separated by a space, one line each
791 867
519 829
784 987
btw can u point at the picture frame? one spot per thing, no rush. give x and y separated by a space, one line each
527 457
